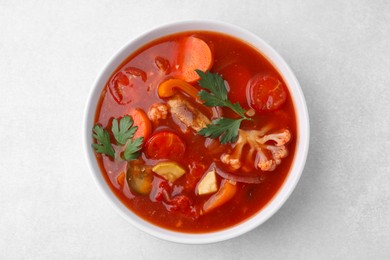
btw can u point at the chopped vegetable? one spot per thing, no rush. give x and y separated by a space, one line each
103 138
165 145
196 171
195 55
208 184
270 149
124 131
225 193
143 123
121 179
168 88
139 178
170 171
266 93
162 64
184 205
224 128
239 177
132 72
122 84
118 88
161 190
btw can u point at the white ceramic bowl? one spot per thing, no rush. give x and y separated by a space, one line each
302 128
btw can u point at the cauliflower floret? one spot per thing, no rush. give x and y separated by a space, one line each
270 149
158 111
234 163
280 138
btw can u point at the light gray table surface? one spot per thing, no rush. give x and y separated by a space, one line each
50 55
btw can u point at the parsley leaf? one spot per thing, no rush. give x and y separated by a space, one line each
124 131
103 138
214 83
218 92
124 135
133 148
225 128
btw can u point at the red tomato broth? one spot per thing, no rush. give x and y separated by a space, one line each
250 198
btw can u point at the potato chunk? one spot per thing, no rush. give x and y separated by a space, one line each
208 184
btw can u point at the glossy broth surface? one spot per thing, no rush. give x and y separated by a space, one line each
153 64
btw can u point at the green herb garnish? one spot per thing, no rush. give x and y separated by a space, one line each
224 128
123 133
133 148
217 97
103 138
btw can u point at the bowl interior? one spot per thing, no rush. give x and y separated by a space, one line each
301 117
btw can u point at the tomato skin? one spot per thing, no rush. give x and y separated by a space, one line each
163 65
135 72
122 84
196 170
237 76
184 205
165 145
116 86
266 93
161 191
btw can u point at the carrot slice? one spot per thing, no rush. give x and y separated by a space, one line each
168 87
121 179
142 121
224 194
195 55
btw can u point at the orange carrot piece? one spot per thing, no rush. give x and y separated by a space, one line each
195 55
121 179
142 121
224 194
168 87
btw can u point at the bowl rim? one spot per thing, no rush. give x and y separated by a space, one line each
302 119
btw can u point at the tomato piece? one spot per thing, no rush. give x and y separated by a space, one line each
184 205
116 86
196 170
161 190
266 93
163 65
165 145
237 76
122 84
135 72
180 202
